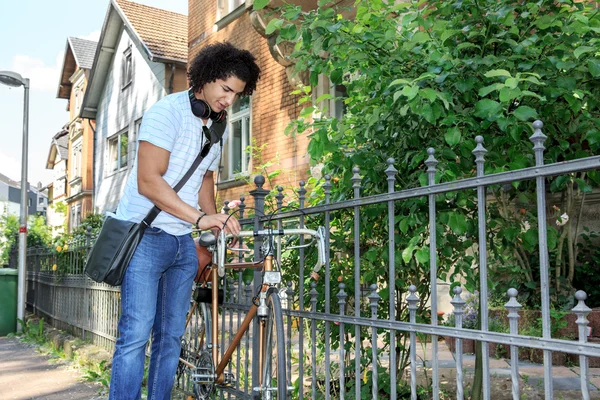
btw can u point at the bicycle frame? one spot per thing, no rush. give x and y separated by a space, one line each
218 271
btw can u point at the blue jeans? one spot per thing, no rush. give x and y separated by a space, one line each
155 297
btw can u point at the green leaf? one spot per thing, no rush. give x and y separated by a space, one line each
497 72
525 113
420 37
582 50
403 225
260 4
273 25
307 112
422 255
487 109
507 94
457 223
399 81
594 67
288 32
410 91
484 91
407 253
322 97
531 237
452 136
336 76
593 136
429 94
511 83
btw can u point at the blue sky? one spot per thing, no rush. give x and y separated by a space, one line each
32 43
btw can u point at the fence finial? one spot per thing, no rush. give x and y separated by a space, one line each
458 303
259 181
538 138
327 186
391 174
479 151
242 206
313 296
356 178
431 162
226 206
341 295
279 197
374 300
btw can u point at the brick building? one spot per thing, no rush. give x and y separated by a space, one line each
262 119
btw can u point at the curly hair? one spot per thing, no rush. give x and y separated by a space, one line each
221 61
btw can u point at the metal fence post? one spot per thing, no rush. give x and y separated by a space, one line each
356 179
374 300
327 192
391 179
513 308
458 303
581 310
412 301
313 328
431 164
342 303
259 195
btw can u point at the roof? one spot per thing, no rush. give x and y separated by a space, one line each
162 35
163 32
58 147
79 53
8 181
83 50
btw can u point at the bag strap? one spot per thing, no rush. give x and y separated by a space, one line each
217 129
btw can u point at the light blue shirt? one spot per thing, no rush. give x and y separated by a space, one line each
170 125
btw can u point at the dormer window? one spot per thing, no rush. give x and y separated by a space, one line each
127 68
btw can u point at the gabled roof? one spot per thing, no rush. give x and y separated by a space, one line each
58 147
162 34
8 181
78 53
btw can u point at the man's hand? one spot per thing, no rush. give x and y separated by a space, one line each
217 221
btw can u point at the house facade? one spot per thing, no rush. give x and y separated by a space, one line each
141 57
10 198
79 137
57 161
260 120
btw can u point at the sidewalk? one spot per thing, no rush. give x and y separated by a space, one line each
26 374
566 380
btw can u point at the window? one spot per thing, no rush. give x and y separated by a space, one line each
127 68
117 151
224 7
334 106
75 217
236 160
76 151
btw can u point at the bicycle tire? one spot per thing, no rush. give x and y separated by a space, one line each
275 379
196 339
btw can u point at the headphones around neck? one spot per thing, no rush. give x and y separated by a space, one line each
201 109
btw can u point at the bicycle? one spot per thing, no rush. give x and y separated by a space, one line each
199 358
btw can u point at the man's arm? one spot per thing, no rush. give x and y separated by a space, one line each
206 196
153 162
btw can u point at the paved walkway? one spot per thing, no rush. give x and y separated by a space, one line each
27 374
566 380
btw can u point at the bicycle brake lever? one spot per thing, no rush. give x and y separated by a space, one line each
222 245
320 248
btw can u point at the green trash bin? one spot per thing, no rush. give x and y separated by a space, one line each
8 301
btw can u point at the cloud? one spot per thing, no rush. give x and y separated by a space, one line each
41 76
94 36
10 167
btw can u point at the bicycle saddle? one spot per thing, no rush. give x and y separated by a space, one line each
207 239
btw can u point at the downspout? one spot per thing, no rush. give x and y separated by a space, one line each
171 78
93 166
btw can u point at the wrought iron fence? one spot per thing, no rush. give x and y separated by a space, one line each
334 332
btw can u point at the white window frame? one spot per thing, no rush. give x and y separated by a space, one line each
246 141
225 7
333 107
127 67
74 217
77 157
114 144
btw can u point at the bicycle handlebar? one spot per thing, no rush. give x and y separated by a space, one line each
318 236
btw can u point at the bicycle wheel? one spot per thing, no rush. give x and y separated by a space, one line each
195 344
275 382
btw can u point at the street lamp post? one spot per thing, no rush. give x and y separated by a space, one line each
13 79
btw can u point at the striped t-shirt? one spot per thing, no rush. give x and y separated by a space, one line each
170 124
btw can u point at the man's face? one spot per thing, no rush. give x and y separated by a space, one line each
222 93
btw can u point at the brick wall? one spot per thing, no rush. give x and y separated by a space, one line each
272 105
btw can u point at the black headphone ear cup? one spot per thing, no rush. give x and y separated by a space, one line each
201 109
219 117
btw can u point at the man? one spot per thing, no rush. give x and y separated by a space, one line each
156 289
